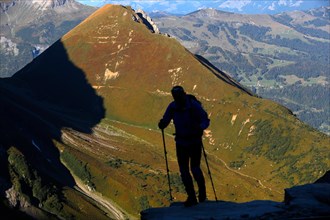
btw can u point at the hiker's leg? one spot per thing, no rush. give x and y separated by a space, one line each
183 161
195 162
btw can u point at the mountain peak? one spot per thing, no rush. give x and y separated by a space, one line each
51 3
209 12
38 4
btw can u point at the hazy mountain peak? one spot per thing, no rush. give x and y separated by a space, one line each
29 27
209 13
51 3
38 4
323 12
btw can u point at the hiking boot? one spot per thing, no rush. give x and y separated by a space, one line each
202 194
201 198
191 201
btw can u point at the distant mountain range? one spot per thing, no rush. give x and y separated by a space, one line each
241 7
270 6
29 27
284 57
79 136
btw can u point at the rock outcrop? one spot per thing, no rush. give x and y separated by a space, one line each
148 21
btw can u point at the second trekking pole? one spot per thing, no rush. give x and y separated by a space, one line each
208 168
168 171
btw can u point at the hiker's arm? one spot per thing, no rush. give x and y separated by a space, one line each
204 120
163 123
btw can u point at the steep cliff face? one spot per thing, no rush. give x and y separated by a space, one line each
80 126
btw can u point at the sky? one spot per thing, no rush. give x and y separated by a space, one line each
238 6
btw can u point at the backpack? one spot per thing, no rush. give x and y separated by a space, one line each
192 97
192 113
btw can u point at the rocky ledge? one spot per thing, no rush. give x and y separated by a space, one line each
310 201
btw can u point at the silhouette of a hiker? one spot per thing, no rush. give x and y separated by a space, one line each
190 119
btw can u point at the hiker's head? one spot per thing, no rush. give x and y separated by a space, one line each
179 95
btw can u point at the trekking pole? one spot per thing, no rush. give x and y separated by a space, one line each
208 168
168 171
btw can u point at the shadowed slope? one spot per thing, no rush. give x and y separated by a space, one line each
47 95
62 88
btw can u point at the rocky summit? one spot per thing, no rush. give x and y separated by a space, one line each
80 137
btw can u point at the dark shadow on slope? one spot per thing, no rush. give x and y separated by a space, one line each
47 95
221 75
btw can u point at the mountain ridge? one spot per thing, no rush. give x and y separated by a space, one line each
246 7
